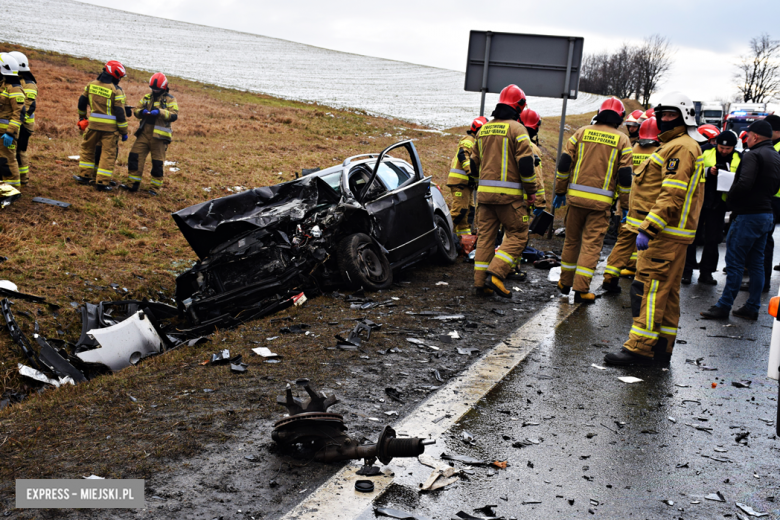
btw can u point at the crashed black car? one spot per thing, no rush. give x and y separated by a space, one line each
352 224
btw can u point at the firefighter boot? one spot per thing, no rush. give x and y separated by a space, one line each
131 188
483 291
564 288
611 284
497 284
584 297
626 358
627 273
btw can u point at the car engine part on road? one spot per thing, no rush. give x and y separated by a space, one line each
313 432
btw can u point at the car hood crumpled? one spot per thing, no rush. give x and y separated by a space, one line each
212 223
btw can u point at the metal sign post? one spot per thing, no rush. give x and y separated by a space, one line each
488 37
563 120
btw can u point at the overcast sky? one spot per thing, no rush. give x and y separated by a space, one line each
708 36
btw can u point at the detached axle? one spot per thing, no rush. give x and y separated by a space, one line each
310 426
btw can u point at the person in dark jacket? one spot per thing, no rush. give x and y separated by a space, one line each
713 212
756 182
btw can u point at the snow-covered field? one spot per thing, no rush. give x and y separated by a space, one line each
426 95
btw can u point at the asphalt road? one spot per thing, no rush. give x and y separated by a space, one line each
601 447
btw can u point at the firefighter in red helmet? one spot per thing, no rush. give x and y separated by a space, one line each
622 259
156 110
532 121
505 160
106 122
462 180
595 163
632 125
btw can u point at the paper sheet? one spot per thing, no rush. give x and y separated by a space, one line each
725 180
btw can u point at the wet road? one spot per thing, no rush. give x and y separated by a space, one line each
599 446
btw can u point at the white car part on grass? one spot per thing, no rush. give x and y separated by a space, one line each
125 343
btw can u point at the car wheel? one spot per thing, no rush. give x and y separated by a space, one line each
362 263
446 251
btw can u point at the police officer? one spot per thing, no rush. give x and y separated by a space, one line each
106 122
713 212
672 181
504 157
11 115
596 160
622 259
30 88
157 110
463 179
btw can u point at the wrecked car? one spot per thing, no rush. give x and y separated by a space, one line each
354 223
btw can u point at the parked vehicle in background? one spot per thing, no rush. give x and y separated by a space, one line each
712 113
740 120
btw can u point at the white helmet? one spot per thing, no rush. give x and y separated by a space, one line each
24 63
684 104
8 65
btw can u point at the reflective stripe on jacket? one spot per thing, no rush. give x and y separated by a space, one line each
160 125
502 148
460 171
668 189
588 172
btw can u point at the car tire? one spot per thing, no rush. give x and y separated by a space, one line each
363 264
446 249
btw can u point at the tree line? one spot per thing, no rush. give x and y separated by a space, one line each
631 71
638 70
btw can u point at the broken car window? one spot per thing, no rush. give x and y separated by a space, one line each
392 175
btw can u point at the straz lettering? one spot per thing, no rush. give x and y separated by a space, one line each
100 91
640 157
494 129
673 164
594 136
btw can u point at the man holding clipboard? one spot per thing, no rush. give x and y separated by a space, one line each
724 159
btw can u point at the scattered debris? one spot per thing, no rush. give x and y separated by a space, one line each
750 511
51 202
125 343
364 486
715 497
265 352
594 365
394 394
399 514
630 379
741 384
440 478
369 471
467 351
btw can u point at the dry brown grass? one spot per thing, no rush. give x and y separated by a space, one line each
224 138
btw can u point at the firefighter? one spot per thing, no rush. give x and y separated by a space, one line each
710 132
105 124
622 259
632 125
713 212
463 179
30 88
670 184
595 161
505 161
12 103
532 121
157 110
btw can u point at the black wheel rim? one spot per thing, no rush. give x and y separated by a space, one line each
370 264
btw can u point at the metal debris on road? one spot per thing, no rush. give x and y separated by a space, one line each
399 514
750 511
630 379
264 352
440 478
51 202
715 497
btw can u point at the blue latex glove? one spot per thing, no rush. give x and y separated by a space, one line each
7 140
144 112
558 201
155 112
124 137
625 215
537 211
642 241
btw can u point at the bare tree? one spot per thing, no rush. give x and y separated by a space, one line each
758 78
653 61
610 74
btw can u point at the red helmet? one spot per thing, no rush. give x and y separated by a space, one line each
115 69
159 81
637 114
649 129
650 113
615 105
530 118
513 96
477 123
709 131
